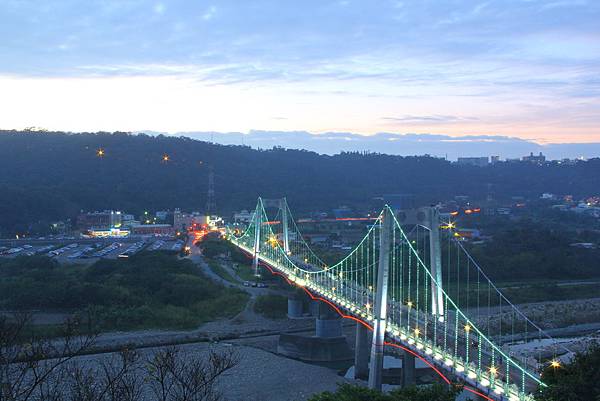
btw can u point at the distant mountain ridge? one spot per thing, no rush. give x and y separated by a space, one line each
397 144
46 176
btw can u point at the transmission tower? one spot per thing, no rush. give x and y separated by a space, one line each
211 205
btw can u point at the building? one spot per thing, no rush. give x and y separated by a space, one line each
400 201
539 159
242 217
152 229
106 233
467 233
99 220
474 161
548 196
495 159
182 221
342 212
161 214
185 221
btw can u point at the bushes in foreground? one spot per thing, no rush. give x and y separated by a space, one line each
347 392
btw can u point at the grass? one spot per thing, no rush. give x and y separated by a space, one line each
245 272
551 292
220 271
271 306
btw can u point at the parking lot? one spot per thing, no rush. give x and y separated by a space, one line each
84 250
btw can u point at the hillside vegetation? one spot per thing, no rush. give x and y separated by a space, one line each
45 176
155 290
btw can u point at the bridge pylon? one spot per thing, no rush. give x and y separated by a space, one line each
258 224
284 225
429 218
435 256
381 300
281 204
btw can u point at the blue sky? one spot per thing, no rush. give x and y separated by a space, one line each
526 69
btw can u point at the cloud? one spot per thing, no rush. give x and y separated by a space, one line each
429 119
512 67
159 8
209 13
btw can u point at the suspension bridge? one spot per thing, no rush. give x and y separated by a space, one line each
412 282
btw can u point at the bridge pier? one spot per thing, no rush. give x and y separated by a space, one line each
361 352
408 369
327 345
328 323
294 308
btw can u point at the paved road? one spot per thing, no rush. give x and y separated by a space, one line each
196 257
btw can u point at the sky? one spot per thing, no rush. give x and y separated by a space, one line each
524 69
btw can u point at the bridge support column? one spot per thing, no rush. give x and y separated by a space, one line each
380 310
408 369
284 225
435 256
294 308
258 223
361 352
329 323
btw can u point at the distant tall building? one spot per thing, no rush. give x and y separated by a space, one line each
495 159
474 161
99 220
182 221
540 159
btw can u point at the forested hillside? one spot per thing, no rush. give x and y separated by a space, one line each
50 175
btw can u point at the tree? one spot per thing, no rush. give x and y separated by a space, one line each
30 367
36 369
578 380
347 392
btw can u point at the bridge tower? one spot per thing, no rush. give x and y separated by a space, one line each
380 310
284 224
435 256
429 218
258 223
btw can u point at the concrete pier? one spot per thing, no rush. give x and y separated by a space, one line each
327 345
408 369
361 352
294 308
329 323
